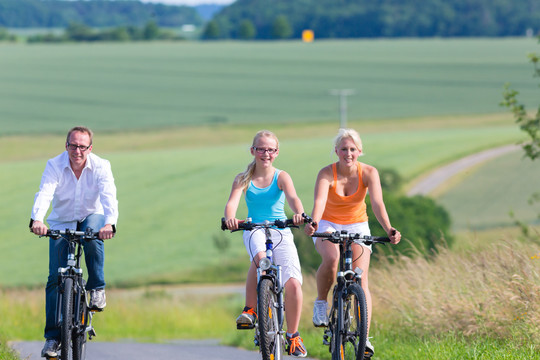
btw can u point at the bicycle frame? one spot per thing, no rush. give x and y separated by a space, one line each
269 333
73 316
346 332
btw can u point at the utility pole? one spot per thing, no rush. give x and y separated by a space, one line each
342 93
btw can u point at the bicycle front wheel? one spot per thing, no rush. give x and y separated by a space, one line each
79 330
66 352
271 341
354 330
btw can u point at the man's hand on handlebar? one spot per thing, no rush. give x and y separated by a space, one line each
106 232
39 228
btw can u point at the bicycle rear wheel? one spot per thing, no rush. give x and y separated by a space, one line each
353 339
271 341
66 333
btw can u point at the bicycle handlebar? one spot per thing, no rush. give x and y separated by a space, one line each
336 237
249 225
87 235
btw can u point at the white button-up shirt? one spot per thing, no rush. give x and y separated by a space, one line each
74 199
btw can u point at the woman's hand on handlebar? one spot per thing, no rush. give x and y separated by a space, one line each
394 235
310 228
39 228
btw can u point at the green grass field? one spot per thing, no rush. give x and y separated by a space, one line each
43 87
174 181
492 192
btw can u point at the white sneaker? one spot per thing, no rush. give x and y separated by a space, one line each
50 350
98 300
370 350
320 313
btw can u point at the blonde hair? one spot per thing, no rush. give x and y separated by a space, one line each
350 134
245 177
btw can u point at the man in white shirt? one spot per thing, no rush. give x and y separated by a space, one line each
81 187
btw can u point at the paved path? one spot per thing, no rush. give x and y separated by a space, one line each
181 350
439 176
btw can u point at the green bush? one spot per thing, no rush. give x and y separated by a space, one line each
423 224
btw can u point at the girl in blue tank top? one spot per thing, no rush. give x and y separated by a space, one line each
266 189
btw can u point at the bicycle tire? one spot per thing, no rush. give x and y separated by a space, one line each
333 327
79 329
271 341
353 340
66 333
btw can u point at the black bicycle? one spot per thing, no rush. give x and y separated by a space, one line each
73 315
346 333
270 309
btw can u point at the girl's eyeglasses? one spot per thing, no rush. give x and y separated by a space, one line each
263 150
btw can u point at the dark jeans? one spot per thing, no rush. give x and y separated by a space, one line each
94 257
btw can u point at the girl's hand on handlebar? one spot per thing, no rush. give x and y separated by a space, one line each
394 235
298 219
106 232
232 224
39 228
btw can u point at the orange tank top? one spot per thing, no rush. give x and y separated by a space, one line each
345 210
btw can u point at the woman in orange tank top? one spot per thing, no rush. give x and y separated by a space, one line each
340 192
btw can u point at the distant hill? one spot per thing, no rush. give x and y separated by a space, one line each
375 18
96 13
207 11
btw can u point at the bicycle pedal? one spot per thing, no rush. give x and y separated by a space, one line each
95 310
91 334
245 326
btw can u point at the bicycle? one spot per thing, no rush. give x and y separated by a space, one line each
346 332
269 334
73 315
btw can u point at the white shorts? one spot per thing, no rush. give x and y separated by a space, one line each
285 253
361 228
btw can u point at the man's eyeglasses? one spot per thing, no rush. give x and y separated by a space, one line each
80 147
263 150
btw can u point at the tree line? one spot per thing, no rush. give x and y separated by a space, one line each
83 33
254 19
96 13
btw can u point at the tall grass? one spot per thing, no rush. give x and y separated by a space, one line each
492 293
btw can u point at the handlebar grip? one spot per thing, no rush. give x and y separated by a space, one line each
223 224
381 238
309 220
322 235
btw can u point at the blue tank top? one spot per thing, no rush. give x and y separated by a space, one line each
266 203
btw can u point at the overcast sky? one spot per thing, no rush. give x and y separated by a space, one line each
189 2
